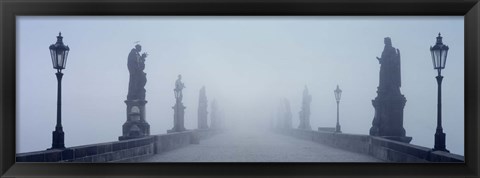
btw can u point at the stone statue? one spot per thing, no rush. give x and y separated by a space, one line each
178 108
136 125
389 68
202 109
305 112
138 78
389 103
179 86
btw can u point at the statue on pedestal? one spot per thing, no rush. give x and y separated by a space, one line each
305 112
178 108
389 103
136 125
202 109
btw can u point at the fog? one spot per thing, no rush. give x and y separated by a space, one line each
247 64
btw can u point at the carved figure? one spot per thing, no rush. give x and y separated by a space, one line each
179 86
138 78
389 68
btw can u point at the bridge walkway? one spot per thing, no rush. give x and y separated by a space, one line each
258 146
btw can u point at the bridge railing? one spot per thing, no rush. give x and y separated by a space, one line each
378 147
119 151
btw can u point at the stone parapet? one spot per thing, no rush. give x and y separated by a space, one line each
378 147
119 151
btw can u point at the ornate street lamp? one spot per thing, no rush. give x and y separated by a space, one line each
439 57
338 95
59 54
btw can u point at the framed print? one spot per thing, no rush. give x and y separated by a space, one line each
255 88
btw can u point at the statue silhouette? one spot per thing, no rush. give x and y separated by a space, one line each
138 78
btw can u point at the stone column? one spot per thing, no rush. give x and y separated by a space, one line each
389 103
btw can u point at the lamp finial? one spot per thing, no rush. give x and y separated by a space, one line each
439 38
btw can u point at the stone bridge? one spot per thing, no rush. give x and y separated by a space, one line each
387 140
275 145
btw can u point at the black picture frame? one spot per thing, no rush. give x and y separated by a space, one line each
9 9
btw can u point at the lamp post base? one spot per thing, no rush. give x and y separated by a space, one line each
58 139
337 129
440 142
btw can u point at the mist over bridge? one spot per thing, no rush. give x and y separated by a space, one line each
387 140
259 146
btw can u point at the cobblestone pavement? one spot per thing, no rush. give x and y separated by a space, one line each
258 146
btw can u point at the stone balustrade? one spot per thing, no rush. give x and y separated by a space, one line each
378 147
119 151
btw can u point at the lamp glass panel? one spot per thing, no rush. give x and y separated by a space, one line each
65 59
338 94
433 58
60 59
444 58
437 58
441 59
53 56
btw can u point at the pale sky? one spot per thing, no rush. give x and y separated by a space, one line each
246 63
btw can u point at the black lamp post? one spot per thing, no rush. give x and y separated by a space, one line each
439 57
338 95
59 53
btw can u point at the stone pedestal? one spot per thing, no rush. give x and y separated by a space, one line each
178 118
136 125
388 119
304 121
